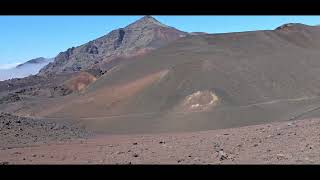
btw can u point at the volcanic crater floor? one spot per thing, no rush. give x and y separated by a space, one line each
290 142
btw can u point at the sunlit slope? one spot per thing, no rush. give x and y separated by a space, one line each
197 76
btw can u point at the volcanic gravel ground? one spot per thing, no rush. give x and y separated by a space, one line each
294 142
18 131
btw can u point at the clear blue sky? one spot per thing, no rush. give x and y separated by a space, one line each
26 37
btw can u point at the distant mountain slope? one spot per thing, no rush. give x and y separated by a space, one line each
30 67
207 82
135 39
196 82
39 60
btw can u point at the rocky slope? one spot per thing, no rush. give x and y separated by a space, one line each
18 131
197 82
150 78
205 82
135 39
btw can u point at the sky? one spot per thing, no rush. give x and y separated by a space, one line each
26 37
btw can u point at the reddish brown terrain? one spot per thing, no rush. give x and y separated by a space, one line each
149 93
294 142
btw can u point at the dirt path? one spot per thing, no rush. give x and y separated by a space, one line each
277 143
282 100
154 113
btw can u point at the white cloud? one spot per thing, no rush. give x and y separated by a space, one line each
28 69
8 66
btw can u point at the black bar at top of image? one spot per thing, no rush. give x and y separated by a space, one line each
158 7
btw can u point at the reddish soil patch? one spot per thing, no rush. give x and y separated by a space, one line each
294 142
80 81
106 100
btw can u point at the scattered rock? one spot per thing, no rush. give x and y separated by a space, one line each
55 127
281 156
308 159
26 130
309 146
4 163
135 155
216 146
196 159
180 160
222 155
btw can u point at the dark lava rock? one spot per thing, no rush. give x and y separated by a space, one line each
36 130
10 98
222 155
180 160
4 163
135 155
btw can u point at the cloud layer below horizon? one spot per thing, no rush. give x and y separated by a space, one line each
9 71
8 66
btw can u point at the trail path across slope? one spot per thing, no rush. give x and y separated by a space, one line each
154 113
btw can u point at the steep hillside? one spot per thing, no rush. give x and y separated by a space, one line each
135 39
191 83
207 82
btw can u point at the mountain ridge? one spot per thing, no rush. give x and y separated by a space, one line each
136 38
197 82
38 60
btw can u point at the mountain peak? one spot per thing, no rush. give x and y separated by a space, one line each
288 26
146 21
149 18
137 38
36 61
